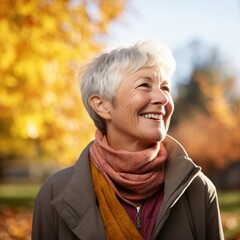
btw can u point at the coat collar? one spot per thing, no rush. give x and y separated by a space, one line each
179 174
76 203
180 169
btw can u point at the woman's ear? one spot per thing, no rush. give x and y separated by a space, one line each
101 106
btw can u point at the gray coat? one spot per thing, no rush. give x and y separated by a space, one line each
66 206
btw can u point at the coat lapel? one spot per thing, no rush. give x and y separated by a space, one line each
180 172
77 205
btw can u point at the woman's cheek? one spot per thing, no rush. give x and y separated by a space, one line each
170 106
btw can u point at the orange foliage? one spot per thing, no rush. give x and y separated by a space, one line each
218 105
15 224
212 138
207 141
42 44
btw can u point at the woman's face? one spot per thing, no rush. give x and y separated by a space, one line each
142 109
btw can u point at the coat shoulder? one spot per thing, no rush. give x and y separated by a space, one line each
204 181
202 188
56 182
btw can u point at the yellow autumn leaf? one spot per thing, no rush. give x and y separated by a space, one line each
43 43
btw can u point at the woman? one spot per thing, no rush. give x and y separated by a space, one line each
133 181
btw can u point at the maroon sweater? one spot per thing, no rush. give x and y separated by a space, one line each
145 217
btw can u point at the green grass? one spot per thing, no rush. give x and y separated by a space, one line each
16 195
229 202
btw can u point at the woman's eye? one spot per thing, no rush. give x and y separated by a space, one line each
166 88
144 85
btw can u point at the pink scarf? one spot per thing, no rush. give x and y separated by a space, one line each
134 176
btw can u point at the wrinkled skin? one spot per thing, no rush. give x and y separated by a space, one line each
146 91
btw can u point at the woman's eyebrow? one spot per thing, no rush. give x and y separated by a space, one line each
165 82
146 78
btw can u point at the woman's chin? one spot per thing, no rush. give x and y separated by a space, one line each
156 137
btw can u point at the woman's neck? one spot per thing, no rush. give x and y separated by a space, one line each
127 144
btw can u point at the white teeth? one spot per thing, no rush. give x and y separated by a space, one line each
153 116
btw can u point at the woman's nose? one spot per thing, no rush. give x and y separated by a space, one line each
159 97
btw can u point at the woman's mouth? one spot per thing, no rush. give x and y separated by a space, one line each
152 116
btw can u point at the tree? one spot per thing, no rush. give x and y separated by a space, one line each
42 44
208 112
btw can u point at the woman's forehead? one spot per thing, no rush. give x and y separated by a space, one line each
151 73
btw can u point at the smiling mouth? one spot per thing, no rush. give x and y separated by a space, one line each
153 116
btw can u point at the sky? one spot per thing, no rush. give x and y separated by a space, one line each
175 23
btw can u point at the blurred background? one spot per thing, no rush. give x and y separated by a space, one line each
43 124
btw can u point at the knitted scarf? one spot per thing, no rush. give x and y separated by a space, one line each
134 176
117 223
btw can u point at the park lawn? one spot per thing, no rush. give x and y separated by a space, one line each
18 194
229 202
23 195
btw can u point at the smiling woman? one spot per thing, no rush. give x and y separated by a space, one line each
133 181
141 112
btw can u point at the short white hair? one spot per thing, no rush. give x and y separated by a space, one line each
104 74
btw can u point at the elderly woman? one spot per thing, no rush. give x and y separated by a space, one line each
133 181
